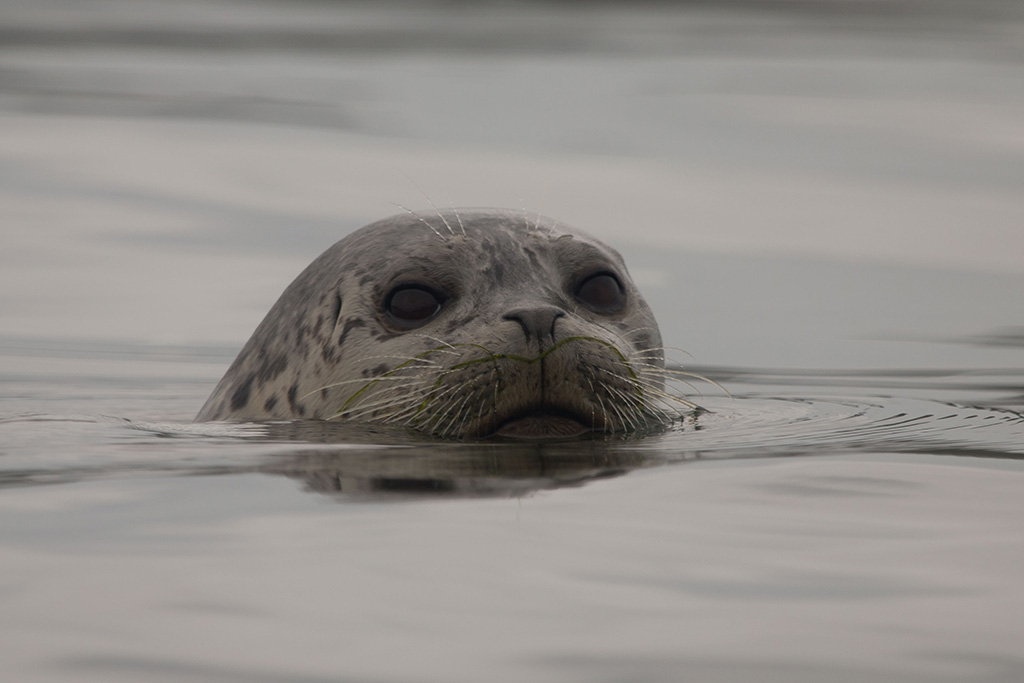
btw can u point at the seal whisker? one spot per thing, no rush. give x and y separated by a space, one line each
636 331
432 205
422 220
405 359
411 369
605 423
443 345
678 350
623 417
401 412
459 219
440 215
661 378
438 401
454 412
368 400
469 409
666 407
540 210
404 374
677 373
364 380
466 412
648 388
434 398
635 409
395 408
666 399
388 403
652 378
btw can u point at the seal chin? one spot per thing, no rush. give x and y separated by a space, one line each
542 425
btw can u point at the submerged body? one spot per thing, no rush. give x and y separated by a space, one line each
464 323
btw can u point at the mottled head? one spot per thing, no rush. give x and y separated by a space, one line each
465 323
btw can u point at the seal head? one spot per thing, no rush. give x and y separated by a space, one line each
465 323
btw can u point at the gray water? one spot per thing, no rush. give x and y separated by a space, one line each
821 201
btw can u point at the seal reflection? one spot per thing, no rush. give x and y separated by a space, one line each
371 462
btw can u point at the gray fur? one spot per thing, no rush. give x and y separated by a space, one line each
326 349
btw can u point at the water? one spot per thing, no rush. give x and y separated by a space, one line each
821 203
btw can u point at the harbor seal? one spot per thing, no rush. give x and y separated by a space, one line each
464 323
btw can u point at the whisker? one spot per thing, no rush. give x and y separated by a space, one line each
604 411
458 218
443 345
455 411
421 220
466 412
648 389
675 374
431 202
392 404
367 381
624 420
540 209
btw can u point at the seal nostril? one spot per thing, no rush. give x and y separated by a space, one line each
538 321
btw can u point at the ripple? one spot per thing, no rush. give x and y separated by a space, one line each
770 425
355 459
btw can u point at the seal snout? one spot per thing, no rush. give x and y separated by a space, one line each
536 321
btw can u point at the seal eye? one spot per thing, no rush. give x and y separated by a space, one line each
602 293
410 306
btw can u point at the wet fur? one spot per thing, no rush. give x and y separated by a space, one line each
325 350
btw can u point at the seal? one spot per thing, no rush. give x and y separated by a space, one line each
466 323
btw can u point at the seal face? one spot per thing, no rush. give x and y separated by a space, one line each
465 323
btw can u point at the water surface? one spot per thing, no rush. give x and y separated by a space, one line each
821 203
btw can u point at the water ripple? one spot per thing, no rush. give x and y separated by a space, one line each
360 459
